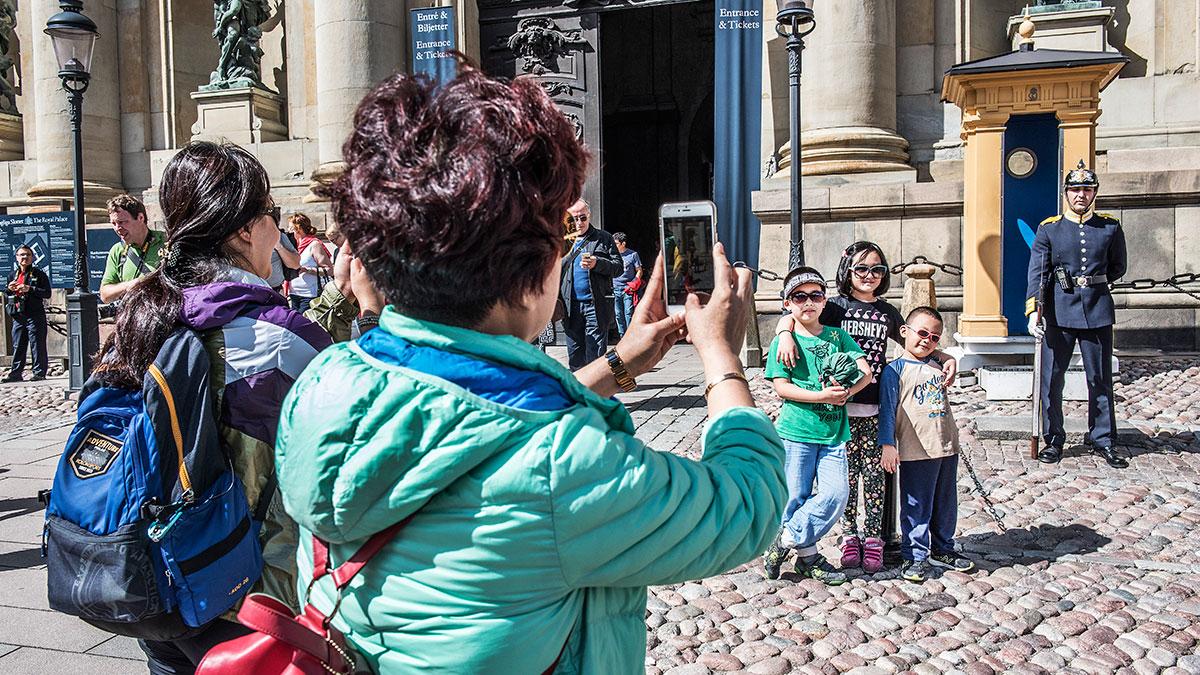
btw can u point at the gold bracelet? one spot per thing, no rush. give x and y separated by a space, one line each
726 376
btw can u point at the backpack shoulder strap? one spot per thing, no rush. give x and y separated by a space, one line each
179 403
344 573
264 498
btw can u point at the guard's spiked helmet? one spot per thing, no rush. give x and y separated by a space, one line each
1081 177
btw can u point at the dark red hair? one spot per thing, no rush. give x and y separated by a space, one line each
454 197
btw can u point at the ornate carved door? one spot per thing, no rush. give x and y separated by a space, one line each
558 44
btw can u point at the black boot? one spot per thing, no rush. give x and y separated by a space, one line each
1110 455
1050 454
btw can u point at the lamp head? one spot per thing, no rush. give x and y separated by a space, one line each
795 17
74 38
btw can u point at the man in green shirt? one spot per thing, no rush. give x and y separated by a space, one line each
136 255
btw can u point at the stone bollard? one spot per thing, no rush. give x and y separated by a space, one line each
918 288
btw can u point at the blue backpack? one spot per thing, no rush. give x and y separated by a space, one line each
148 532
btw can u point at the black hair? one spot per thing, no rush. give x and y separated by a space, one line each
926 311
620 236
208 193
845 284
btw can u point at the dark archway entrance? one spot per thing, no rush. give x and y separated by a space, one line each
656 94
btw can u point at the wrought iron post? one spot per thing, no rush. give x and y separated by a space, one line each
794 21
74 39
83 319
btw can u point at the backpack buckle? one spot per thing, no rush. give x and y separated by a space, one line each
158 529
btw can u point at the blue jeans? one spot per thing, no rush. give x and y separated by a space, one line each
928 506
622 309
586 338
812 509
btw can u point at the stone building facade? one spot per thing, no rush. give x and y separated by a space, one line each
881 152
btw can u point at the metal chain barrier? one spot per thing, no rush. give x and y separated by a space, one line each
922 260
1174 282
762 273
987 501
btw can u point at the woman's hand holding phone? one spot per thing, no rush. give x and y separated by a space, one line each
717 329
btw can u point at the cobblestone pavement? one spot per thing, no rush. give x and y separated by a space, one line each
1162 390
1097 571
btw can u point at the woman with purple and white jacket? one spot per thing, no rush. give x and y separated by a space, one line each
216 200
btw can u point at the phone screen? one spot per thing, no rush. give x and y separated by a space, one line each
687 251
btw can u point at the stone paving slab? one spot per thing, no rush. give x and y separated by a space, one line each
31 661
48 630
119 647
23 588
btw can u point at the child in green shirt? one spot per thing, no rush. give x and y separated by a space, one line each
814 426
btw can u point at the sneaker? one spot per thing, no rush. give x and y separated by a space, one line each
37 378
775 556
11 377
851 552
915 570
873 555
951 561
817 567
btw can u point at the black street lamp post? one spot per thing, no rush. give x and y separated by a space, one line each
74 38
795 21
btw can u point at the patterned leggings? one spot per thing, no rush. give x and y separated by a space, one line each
863 459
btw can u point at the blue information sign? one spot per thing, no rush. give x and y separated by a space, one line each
99 242
432 38
52 238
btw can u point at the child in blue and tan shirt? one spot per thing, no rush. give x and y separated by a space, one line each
918 436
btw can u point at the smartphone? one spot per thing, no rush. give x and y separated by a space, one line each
687 232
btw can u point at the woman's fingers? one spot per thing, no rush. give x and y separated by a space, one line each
652 300
723 278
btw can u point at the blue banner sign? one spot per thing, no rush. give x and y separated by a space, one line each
432 38
52 238
738 100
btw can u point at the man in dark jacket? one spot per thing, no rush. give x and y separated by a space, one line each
1069 302
28 289
587 273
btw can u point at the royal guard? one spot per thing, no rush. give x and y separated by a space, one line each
1075 256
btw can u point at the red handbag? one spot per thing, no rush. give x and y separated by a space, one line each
283 644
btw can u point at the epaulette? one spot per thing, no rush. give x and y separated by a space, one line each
1106 215
1051 219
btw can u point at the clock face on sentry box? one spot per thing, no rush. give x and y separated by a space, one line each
1020 162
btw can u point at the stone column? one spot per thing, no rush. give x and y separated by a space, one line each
358 44
101 113
848 90
984 137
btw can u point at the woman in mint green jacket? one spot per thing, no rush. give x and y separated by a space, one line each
538 518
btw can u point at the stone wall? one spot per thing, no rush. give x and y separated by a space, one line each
1160 212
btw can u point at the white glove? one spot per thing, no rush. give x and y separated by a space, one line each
1035 327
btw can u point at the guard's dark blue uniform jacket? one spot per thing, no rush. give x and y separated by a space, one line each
1090 248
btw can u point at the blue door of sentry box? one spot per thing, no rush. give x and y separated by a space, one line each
1030 195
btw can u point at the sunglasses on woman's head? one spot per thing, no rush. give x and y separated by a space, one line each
926 335
800 297
873 270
